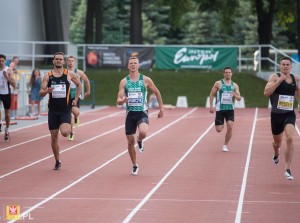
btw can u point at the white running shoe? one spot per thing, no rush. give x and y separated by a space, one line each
288 174
225 148
135 169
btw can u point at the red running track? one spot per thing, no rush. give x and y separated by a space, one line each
184 175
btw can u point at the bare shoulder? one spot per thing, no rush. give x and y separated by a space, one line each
296 78
273 77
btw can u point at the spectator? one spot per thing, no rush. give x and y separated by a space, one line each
34 87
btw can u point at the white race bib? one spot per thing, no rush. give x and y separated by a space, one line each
135 98
59 91
226 98
285 102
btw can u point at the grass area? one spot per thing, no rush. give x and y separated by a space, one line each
195 84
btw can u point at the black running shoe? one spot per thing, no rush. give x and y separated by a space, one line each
57 165
275 159
135 170
141 146
6 137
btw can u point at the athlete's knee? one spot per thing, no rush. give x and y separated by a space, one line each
219 128
289 139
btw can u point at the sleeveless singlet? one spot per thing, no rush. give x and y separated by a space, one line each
137 94
282 99
4 84
224 100
73 85
59 99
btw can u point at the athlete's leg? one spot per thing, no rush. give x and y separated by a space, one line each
228 134
131 150
289 152
54 143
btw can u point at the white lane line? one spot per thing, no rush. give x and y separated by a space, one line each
25 213
34 139
147 197
25 127
238 215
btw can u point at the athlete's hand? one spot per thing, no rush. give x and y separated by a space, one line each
50 89
160 113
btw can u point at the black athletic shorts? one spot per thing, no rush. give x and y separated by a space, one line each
228 115
56 118
279 121
133 119
6 99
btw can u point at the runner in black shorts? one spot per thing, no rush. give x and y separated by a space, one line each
57 84
133 92
228 115
133 120
282 89
6 80
225 91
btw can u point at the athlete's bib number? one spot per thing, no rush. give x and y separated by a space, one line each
226 98
135 99
59 91
285 102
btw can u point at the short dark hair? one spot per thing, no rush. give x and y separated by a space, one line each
286 58
59 53
225 68
3 56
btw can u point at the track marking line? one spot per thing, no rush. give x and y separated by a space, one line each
147 197
25 213
83 124
238 215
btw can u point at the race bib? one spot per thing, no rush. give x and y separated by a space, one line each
226 98
135 98
285 102
59 91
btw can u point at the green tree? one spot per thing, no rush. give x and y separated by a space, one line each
77 31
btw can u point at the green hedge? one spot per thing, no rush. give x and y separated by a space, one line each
195 84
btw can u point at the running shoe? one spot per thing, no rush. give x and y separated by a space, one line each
6 137
71 136
288 174
135 169
275 159
57 165
141 146
76 122
225 148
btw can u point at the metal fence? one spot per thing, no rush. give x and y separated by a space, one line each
31 56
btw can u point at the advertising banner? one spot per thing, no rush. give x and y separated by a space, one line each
117 57
196 57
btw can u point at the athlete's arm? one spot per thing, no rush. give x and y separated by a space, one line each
212 94
86 83
44 89
236 93
273 82
76 81
121 99
149 83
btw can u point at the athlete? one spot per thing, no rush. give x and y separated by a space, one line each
57 84
282 88
6 80
71 63
227 91
133 92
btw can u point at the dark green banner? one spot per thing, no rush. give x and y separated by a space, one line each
196 57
